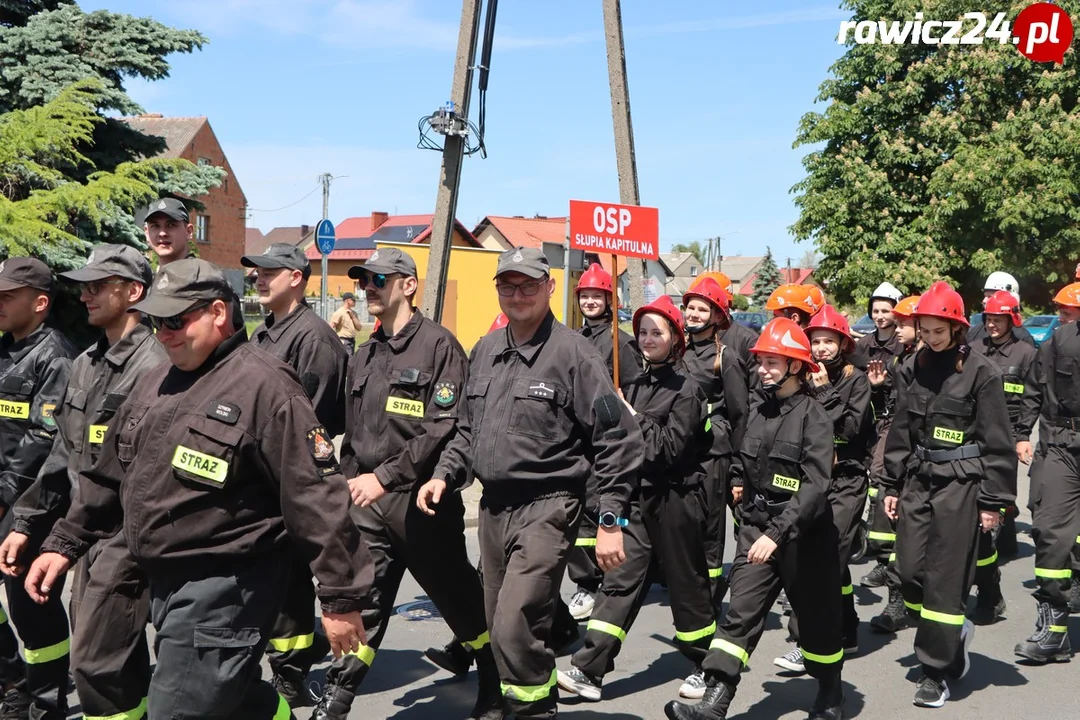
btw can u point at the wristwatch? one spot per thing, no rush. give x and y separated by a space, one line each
610 520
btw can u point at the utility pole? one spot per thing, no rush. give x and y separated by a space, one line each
325 179
624 135
442 226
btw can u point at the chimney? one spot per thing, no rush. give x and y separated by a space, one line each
304 230
378 219
151 115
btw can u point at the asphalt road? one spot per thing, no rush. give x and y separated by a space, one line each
879 681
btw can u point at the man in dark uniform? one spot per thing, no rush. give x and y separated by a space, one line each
222 468
294 334
595 296
35 361
543 417
402 408
110 656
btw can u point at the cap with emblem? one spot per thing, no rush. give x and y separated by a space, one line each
19 272
107 260
527 261
170 207
348 296
182 285
280 255
386 261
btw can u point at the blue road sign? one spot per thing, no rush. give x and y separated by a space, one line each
324 237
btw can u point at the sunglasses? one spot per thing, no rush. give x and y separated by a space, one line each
528 289
176 322
376 279
96 286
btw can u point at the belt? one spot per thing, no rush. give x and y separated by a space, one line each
765 505
1069 423
960 453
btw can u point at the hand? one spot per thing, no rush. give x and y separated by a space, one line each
430 494
736 494
761 551
345 632
891 511
1023 452
43 574
10 551
366 489
989 520
609 548
821 377
875 372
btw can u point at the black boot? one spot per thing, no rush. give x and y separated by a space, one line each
334 704
564 629
38 713
1050 642
16 704
713 706
453 658
989 606
489 701
290 685
876 577
829 703
895 617
1074 597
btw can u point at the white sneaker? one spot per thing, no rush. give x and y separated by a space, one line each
693 688
792 662
576 682
581 605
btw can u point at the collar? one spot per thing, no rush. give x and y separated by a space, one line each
531 349
117 355
792 401
658 373
18 350
399 341
276 328
1002 349
595 328
709 341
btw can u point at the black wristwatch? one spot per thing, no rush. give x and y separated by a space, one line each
610 520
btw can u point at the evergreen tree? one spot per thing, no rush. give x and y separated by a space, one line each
768 279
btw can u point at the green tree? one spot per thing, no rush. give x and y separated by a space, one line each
942 161
739 302
694 248
768 279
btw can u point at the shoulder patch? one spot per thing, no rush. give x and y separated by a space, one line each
223 412
445 394
319 444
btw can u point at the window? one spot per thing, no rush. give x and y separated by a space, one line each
204 161
202 228
694 270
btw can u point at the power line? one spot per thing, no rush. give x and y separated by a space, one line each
317 187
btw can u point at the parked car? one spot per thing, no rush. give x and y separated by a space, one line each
625 315
863 326
1040 327
975 320
753 320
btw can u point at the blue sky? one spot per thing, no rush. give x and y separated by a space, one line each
295 88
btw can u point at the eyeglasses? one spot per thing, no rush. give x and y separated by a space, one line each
95 286
176 322
528 289
377 279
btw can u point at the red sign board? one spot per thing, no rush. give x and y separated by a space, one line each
627 230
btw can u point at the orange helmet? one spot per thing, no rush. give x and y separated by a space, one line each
941 301
595 278
1069 296
906 307
664 307
817 297
792 297
1003 303
501 321
709 290
721 279
830 319
783 336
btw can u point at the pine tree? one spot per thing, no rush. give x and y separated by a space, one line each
768 279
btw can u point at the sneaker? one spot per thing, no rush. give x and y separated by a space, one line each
931 693
581 605
16 704
876 577
291 687
453 658
895 617
986 613
1074 598
693 688
578 683
792 662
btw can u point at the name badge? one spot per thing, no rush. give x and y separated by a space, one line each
96 434
15 410
402 406
955 437
785 483
1014 388
200 464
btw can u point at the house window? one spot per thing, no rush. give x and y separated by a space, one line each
204 161
202 228
694 270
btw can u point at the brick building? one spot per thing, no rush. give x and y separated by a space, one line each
220 230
